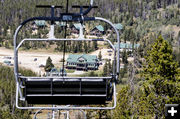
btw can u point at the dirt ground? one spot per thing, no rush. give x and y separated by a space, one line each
26 58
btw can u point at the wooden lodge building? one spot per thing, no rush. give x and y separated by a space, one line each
118 26
76 27
97 31
38 24
127 46
82 62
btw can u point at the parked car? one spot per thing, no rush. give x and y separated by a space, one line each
7 61
41 66
35 59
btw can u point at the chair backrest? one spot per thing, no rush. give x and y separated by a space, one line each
66 90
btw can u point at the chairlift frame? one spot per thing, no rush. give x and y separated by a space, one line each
65 17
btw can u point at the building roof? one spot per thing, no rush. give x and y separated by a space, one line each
100 28
40 22
126 45
118 26
60 23
88 58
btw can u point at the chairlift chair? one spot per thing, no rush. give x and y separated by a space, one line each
64 90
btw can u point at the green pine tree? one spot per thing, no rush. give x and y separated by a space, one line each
105 69
85 47
95 45
49 65
124 57
123 108
100 56
162 78
7 45
109 67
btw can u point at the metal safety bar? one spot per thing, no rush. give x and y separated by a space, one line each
55 39
23 77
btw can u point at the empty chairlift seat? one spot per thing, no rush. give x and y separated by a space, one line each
66 90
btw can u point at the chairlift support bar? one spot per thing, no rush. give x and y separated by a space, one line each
55 39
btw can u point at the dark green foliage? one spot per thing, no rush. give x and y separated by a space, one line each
85 47
160 60
7 45
124 57
100 56
107 69
7 94
49 65
162 77
95 45
76 47
123 108
159 85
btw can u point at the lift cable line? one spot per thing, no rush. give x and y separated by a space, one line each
63 90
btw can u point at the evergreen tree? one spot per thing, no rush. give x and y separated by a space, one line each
162 77
95 45
85 47
79 46
89 46
100 56
178 39
109 67
124 57
49 65
105 69
7 45
123 108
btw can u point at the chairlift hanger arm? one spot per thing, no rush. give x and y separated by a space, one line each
88 9
82 13
64 16
55 39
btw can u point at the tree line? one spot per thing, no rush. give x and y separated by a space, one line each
139 18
